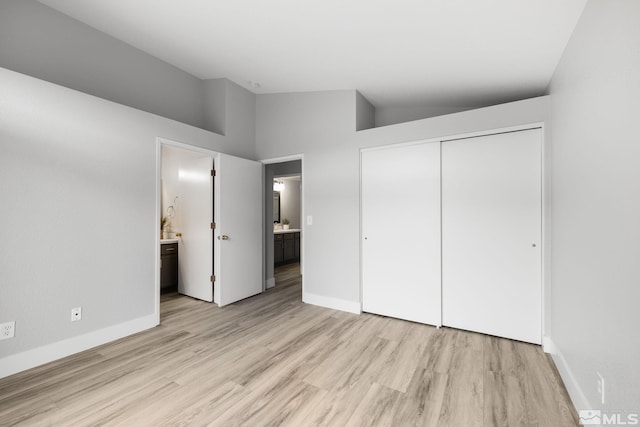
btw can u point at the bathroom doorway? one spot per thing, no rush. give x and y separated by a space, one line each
284 225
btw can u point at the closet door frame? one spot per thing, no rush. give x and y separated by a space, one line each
545 188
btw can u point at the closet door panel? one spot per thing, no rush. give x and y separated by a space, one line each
401 232
491 234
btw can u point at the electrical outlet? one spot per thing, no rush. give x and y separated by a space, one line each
76 314
601 387
7 330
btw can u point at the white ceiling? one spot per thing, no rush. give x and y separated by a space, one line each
446 53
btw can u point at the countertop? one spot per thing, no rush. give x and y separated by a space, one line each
167 241
291 230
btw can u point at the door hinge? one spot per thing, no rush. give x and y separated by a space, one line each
213 172
212 278
213 225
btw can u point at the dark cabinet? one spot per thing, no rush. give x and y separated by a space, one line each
278 252
286 248
169 267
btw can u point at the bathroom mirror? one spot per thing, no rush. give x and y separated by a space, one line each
276 206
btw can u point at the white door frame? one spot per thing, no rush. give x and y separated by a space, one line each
160 142
303 221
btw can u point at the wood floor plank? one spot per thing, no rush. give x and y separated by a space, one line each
26 414
271 405
421 405
463 403
272 360
337 407
504 400
338 366
506 356
546 398
376 408
196 405
58 370
406 357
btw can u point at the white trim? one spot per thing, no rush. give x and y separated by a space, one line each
487 132
544 250
282 159
445 138
330 302
48 353
157 264
401 144
547 345
270 283
185 146
578 398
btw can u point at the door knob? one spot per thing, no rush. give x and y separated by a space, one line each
223 237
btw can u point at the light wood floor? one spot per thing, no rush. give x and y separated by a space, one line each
272 360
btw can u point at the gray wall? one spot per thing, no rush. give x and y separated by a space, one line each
79 187
365 113
595 100
44 43
290 202
321 126
215 105
240 124
393 115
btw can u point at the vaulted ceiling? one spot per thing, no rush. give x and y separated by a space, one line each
446 53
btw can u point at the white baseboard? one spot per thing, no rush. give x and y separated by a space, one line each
48 353
270 283
578 397
547 345
334 303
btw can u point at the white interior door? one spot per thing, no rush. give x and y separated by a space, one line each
491 234
238 217
401 232
196 213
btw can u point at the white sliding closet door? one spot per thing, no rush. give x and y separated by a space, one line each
491 234
401 232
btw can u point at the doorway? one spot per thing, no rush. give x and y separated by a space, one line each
283 222
186 203
219 252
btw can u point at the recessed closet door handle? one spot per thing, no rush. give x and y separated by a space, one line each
223 237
